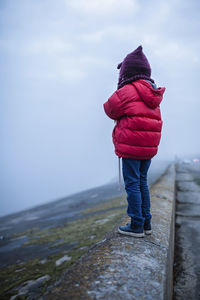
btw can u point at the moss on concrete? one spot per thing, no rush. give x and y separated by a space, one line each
81 234
114 203
81 230
29 232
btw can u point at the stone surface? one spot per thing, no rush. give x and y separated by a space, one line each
187 255
32 241
48 239
31 287
124 267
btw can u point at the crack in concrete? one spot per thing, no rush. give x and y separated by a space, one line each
188 216
158 245
185 202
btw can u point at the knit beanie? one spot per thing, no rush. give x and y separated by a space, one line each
135 66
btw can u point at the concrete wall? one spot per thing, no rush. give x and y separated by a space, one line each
124 267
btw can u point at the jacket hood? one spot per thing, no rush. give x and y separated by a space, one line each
152 97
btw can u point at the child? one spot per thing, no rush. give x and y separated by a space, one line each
136 135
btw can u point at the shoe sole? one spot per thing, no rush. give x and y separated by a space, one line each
131 233
148 232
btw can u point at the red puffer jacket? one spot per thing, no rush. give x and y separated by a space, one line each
136 109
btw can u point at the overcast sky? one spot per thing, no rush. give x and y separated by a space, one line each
59 65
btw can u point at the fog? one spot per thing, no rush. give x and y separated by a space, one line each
59 65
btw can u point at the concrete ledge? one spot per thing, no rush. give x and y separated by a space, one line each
123 267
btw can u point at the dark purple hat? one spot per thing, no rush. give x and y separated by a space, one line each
135 66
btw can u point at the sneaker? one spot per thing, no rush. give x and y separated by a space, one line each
131 230
147 228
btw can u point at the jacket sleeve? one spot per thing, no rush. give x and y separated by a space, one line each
113 107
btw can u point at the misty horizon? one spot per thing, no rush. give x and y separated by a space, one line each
59 65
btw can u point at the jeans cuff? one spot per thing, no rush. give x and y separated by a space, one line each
137 220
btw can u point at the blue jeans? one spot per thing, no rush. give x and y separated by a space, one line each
136 186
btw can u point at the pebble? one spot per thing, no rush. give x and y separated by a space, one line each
62 260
